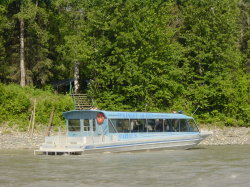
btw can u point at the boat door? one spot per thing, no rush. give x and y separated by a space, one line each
89 127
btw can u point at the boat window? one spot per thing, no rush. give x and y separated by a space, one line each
111 127
150 126
155 125
168 127
184 125
175 125
74 125
138 125
121 125
179 125
192 126
86 125
159 125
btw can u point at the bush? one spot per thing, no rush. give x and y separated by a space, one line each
230 122
16 105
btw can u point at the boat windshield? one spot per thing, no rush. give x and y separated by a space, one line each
192 126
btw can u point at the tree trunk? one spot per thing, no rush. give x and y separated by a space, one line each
76 77
22 65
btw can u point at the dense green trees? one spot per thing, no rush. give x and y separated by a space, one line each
135 54
30 20
210 35
138 66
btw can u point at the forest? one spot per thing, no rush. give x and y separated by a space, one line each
129 55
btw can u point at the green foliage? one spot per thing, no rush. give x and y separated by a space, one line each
3 26
216 81
230 122
17 104
134 55
14 104
37 34
135 66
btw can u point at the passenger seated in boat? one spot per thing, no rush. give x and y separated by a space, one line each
159 125
148 128
176 125
167 128
134 126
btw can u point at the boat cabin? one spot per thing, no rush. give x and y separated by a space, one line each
99 122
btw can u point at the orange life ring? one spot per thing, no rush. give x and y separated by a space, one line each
100 118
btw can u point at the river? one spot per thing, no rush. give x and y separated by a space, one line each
203 166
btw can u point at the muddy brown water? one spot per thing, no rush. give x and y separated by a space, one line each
203 166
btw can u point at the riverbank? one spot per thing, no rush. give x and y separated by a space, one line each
10 139
227 136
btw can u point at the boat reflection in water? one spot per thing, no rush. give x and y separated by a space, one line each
110 131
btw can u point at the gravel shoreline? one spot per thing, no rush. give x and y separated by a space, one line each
221 136
15 140
227 136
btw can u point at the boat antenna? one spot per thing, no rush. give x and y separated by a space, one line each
196 110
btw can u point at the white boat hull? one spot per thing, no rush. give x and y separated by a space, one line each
79 145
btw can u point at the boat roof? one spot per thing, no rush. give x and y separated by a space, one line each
78 114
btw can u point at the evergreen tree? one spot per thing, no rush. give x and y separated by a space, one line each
3 27
245 32
27 38
216 81
74 47
135 64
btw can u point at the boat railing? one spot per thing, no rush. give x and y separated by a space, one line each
64 140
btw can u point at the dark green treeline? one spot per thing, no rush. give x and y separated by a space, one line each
136 55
